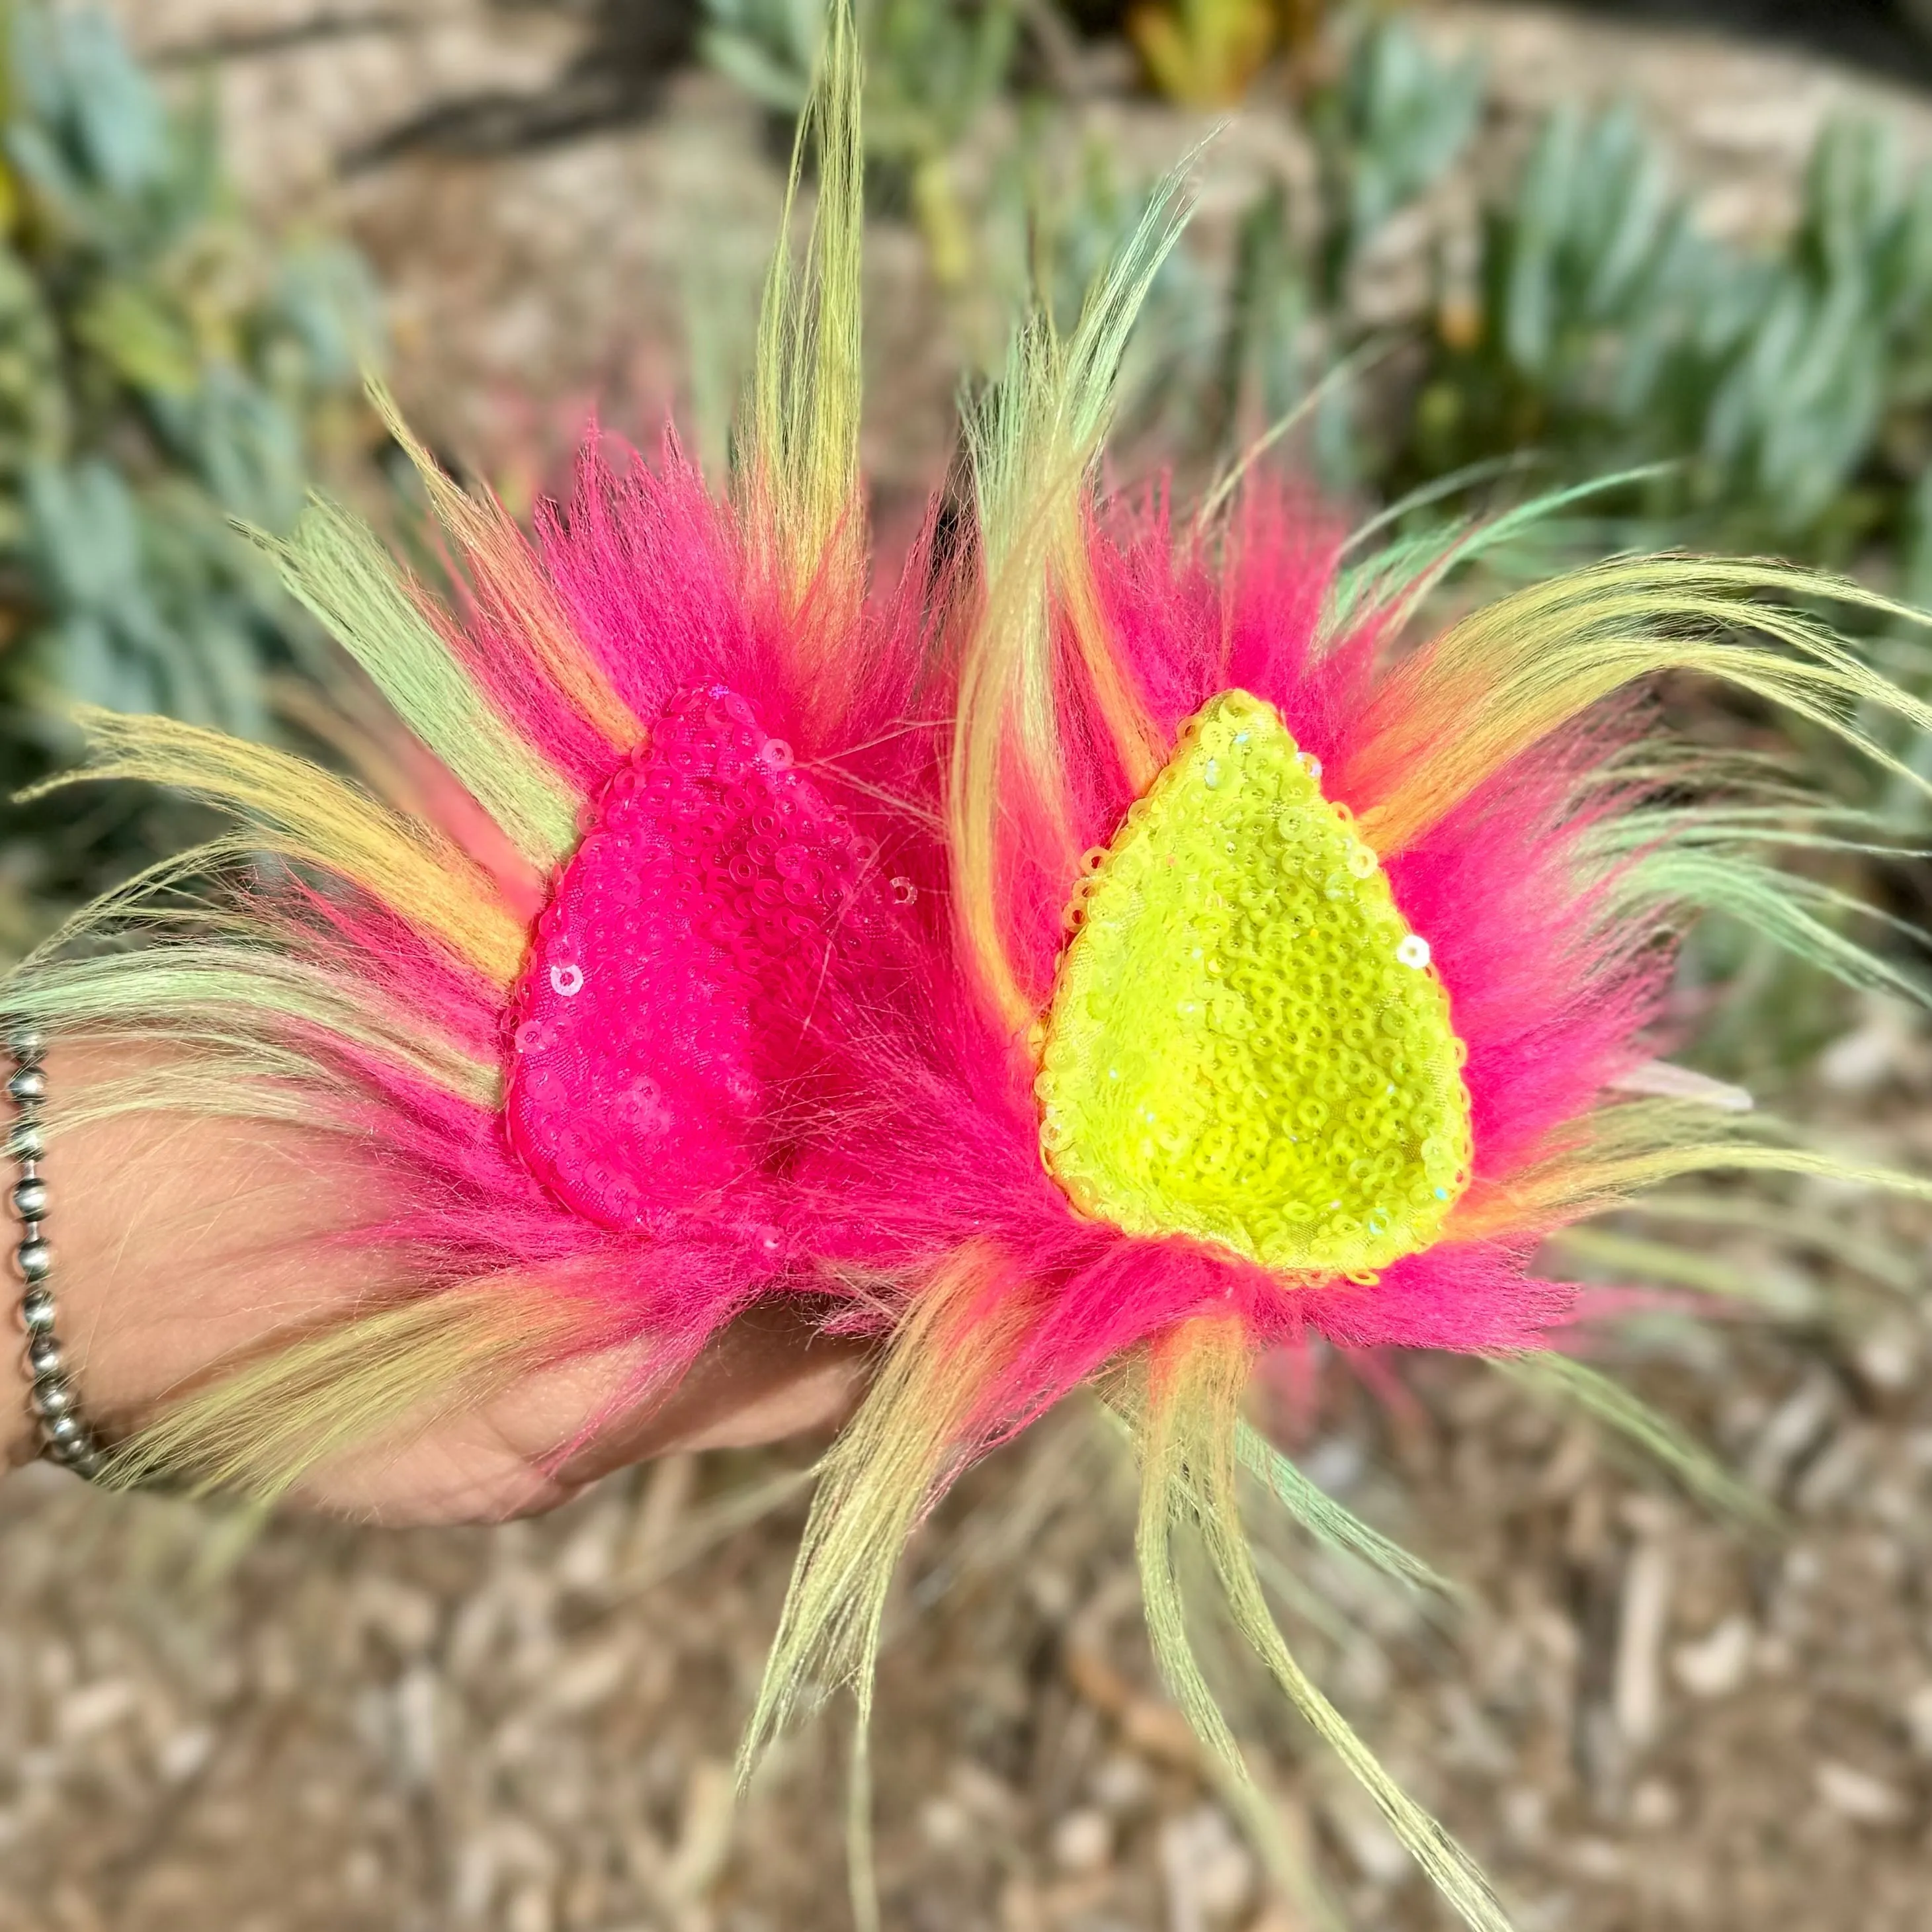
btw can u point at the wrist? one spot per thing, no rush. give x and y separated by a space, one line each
20 1431
56 1426
19 1441
183 1243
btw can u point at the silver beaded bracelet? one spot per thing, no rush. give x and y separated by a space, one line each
65 1436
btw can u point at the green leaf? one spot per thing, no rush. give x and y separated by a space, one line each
764 75
147 342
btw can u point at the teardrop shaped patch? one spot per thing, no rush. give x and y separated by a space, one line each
667 1034
1246 1042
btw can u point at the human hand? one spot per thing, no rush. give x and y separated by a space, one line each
183 1242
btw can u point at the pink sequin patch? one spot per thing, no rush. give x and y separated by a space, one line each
669 1002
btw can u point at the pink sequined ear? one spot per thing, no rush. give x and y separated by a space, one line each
668 1003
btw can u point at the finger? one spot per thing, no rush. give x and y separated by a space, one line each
769 1375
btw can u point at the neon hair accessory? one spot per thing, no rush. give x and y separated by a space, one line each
652 1034
711 946
1246 1043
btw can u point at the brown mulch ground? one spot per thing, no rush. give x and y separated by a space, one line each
1640 1717
1643 1720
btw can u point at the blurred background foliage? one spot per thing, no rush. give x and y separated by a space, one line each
166 367
933 69
1579 321
165 370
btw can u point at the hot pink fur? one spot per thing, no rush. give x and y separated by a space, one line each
838 1126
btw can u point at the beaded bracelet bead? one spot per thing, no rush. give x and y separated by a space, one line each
65 1436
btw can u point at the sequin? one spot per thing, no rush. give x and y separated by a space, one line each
678 977
1245 1043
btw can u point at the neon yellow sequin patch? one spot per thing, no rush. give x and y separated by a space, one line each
1246 1042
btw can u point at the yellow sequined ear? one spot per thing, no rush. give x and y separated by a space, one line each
1246 1042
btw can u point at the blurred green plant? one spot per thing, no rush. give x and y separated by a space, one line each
1052 217
1788 387
163 370
1780 396
1387 124
1386 128
933 68
1203 53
